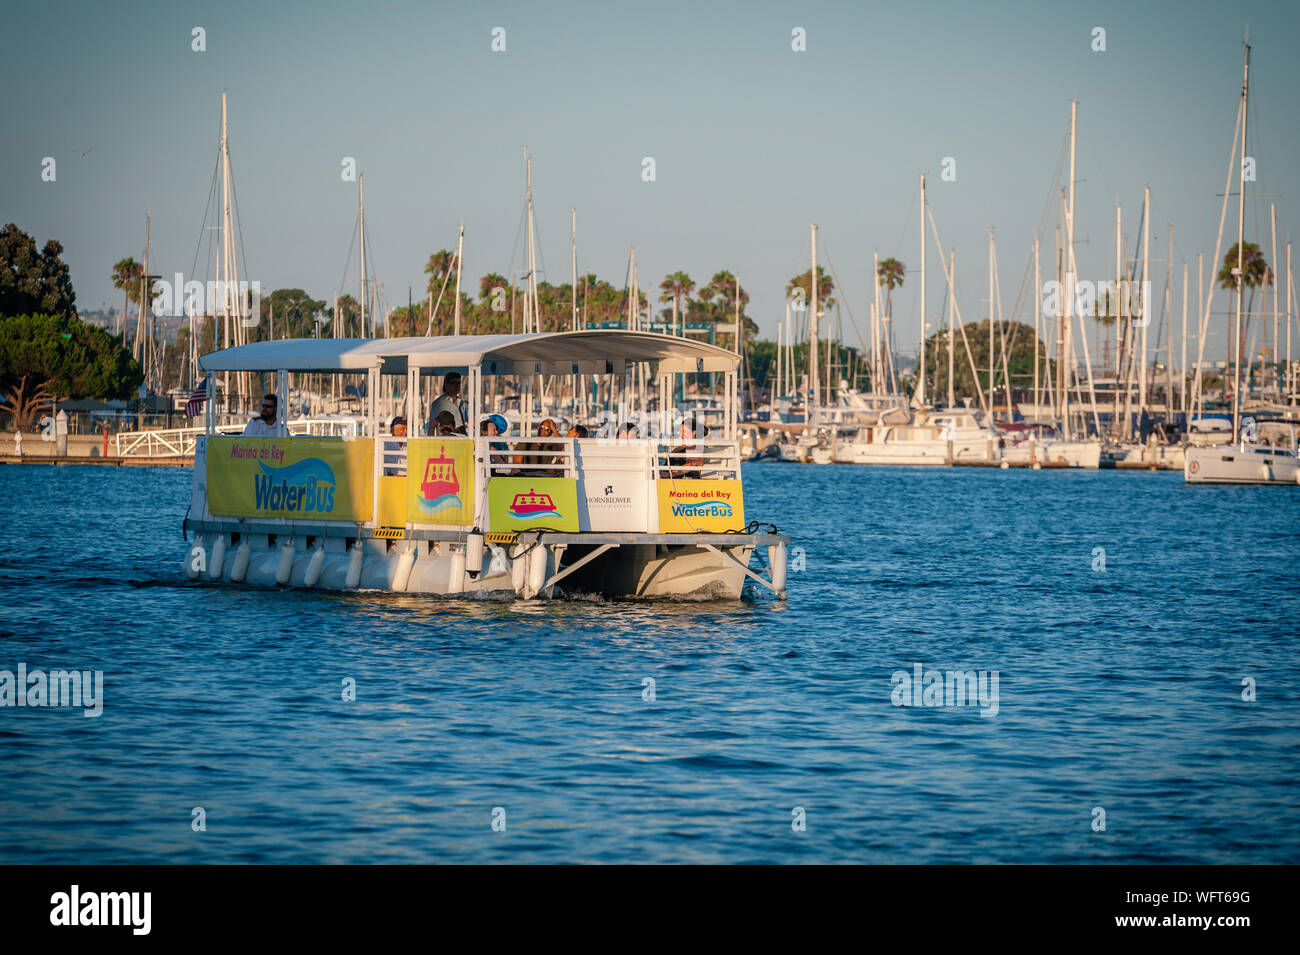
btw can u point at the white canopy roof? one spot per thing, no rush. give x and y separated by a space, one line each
596 351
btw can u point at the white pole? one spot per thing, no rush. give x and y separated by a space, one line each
1241 250
1169 321
920 388
1038 305
1290 284
810 418
361 206
1182 363
990 328
1272 210
1071 278
952 326
1146 305
460 249
573 252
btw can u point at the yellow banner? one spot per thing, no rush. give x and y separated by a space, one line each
689 507
440 481
312 479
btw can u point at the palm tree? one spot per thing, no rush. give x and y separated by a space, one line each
1255 270
1106 313
440 265
716 302
126 276
825 290
891 273
674 286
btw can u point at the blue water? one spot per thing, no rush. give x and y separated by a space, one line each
1119 689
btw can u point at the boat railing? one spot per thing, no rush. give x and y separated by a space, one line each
393 456
532 457
651 458
179 442
710 459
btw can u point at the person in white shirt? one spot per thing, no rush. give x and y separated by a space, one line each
264 426
448 401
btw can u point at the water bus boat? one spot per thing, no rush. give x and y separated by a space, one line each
651 514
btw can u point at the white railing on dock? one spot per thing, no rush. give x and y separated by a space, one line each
179 442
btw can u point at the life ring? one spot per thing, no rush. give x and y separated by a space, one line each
1194 466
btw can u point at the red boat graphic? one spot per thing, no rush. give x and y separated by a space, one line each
532 503
439 477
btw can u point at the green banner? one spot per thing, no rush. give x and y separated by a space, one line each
519 504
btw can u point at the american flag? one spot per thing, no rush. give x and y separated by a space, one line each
194 406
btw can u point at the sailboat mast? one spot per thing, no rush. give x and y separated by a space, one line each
532 322
573 264
1062 322
1146 305
952 324
780 347
138 351
990 328
1241 251
1038 307
811 416
920 386
460 250
224 260
361 200
1071 279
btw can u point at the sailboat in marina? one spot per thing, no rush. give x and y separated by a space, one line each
1248 458
902 432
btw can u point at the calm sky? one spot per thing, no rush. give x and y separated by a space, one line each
752 140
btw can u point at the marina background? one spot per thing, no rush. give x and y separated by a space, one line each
752 140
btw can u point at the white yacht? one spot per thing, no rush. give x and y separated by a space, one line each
1241 464
1266 454
952 436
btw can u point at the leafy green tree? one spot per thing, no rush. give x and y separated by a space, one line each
294 312
30 281
349 318
44 358
1020 342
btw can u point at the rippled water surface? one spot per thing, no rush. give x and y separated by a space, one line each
1118 688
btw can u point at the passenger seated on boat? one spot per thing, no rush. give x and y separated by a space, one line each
627 432
577 431
686 468
490 427
448 401
445 424
263 426
394 459
540 463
